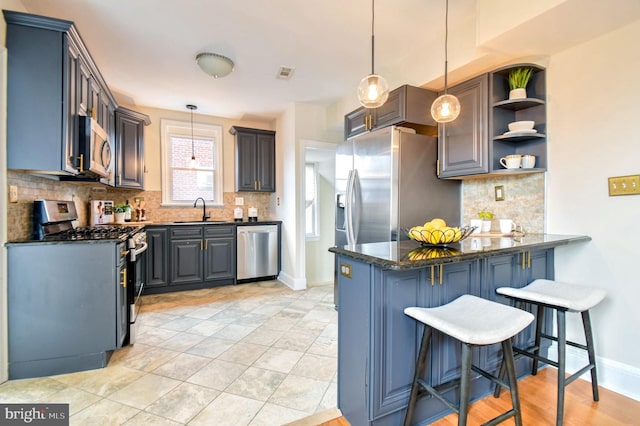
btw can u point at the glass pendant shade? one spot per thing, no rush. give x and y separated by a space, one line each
445 108
373 91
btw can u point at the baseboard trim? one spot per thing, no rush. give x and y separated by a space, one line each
291 282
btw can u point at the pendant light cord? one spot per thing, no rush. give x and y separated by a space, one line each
193 151
373 17
446 42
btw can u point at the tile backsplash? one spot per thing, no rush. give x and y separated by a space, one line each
30 188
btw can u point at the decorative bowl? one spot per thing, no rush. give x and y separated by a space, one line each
519 126
438 237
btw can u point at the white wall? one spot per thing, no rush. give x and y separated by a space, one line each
593 108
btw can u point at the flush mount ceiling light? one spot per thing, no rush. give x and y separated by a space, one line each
373 90
213 64
193 164
446 107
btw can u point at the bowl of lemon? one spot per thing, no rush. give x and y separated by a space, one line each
436 232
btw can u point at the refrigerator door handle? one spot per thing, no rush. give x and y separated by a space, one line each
348 209
355 206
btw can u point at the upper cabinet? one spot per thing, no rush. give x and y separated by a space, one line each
255 159
406 105
129 129
51 80
475 142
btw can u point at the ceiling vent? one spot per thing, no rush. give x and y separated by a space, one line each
285 73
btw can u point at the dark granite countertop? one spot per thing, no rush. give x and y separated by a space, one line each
409 254
216 222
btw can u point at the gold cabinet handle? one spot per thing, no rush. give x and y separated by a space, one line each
123 283
440 277
523 258
432 276
206 244
529 259
81 163
200 245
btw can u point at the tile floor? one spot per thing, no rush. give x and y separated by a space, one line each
252 354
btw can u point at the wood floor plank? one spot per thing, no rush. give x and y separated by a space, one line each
538 403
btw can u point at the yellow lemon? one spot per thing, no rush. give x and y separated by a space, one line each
438 223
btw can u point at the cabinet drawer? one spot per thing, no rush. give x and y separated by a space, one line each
186 232
219 231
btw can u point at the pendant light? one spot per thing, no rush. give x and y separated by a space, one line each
193 164
373 90
446 107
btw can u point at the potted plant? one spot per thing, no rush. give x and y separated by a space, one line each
486 216
518 80
119 211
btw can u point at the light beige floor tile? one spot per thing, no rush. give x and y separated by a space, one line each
228 410
324 346
217 374
182 341
183 403
154 336
211 347
151 359
77 399
330 398
234 332
321 315
104 381
207 328
228 315
330 331
202 313
272 414
296 340
147 419
104 413
144 391
154 319
256 383
282 360
280 322
180 324
263 336
316 367
252 320
28 390
243 353
182 366
123 354
300 393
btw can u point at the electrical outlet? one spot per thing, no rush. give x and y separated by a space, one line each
239 201
345 270
624 185
13 194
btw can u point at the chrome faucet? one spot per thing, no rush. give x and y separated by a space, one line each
204 208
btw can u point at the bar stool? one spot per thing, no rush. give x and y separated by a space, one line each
562 297
474 322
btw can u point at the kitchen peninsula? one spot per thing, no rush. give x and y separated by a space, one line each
377 343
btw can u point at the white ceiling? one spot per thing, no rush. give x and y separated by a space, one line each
146 49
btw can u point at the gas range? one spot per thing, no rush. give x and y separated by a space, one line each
99 232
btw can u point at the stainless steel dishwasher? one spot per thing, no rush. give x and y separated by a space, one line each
258 252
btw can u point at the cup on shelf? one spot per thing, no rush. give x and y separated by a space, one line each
528 161
511 161
507 226
478 224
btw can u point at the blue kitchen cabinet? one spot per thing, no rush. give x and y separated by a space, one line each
157 256
255 159
129 135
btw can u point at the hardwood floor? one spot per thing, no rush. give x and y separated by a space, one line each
538 401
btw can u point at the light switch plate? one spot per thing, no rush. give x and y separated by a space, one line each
239 201
624 185
13 193
499 192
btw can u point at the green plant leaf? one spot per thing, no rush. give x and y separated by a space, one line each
519 78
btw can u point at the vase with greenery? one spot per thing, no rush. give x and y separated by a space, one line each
518 80
486 217
119 211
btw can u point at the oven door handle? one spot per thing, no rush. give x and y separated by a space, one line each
136 251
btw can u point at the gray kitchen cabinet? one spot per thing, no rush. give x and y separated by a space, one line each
157 256
66 314
378 343
463 147
51 78
255 159
129 133
220 253
406 105
185 251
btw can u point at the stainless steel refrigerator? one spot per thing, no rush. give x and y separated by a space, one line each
386 180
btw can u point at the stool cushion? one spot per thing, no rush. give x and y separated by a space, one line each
473 320
573 297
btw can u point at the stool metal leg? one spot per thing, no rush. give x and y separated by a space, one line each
539 324
465 383
586 322
562 349
415 387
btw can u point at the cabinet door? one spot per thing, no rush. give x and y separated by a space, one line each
220 259
392 111
246 179
130 152
84 88
357 122
463 143
157 258
186 261
266 163
71 145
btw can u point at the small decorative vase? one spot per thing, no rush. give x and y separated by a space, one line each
519 93
486 226
119 217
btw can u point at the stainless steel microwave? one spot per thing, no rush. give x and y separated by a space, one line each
97 153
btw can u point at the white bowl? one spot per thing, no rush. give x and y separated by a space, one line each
518 126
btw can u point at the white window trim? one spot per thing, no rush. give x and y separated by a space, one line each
183 129
315 235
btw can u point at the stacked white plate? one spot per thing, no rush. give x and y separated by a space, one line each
521 127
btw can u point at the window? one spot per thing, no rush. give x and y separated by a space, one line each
182 183
311 200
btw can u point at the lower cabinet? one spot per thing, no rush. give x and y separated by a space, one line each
378 343
190 257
